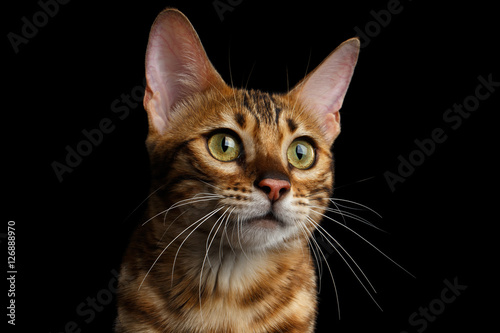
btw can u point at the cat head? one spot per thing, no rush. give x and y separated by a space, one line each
257 164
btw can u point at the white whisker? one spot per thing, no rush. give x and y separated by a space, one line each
142 202
331 274
185 202
224 232
207 251
365 240
232 234
185 239
356 182
209 241
171 223
199 222
356 203
314 247
345 214
238 232
323 232
337 211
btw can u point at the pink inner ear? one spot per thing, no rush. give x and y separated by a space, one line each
166 58
176 65
324 89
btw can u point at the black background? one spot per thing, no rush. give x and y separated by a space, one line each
440 222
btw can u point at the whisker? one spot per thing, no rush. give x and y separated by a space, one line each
205 182
185 202
207 245
356 182
331 274
234 228
238 224
250 74
231 75
365 240
208 194
185 239
356 203
200 221
212 229
354 217
209 242
229 65
339 211
326 234
347 263
142 202
347 207
224 232
207 251
171 223
227 237
344 214
314 246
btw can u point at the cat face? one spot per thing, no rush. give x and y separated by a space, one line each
246 169
261 154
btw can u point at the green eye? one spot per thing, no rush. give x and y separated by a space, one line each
301 154
224 147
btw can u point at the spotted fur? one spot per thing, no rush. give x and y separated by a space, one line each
215 253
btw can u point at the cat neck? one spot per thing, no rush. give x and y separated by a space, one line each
224 268
237 268
227 269
276 284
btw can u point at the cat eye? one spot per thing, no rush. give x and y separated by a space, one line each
301 154
224 147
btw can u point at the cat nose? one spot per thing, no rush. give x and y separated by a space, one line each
274 188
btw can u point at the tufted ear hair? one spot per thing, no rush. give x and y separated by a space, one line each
176 67
322 91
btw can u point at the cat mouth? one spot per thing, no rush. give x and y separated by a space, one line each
268 221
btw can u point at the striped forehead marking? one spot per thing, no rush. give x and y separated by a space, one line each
262 106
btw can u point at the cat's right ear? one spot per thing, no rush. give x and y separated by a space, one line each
176 66
323 90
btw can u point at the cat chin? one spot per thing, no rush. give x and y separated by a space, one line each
268 222
261 234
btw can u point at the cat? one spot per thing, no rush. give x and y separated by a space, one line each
240 181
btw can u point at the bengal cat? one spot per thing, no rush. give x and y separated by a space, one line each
240 180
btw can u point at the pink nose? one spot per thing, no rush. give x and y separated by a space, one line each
274 188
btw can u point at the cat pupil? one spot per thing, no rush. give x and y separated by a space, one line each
300 150
227 143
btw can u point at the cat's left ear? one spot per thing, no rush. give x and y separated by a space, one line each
323 90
